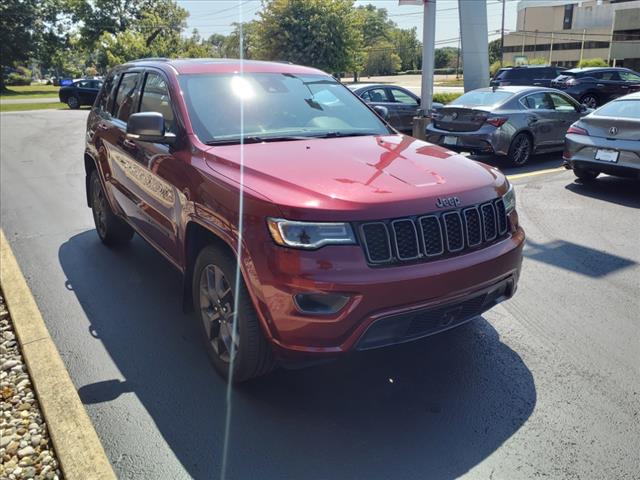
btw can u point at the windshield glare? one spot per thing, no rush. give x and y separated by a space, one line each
620 109
275 104
482 98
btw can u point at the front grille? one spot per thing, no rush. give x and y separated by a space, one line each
427 237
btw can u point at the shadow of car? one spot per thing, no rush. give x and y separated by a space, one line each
432 409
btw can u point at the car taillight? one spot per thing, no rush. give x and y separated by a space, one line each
571 81
497 121
577 130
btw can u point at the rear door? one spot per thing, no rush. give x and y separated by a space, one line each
608 84
541 119
566 113
407 105
630 82
85 93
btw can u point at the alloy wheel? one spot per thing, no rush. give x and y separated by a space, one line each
216 312
73 102
590 101
522 150
100 209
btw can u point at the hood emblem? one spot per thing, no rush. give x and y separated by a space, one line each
613 130
444 202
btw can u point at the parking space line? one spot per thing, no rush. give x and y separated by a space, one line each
537 172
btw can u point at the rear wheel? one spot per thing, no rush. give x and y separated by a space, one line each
520 149
590 100
229 325
73 102
585 175
112 230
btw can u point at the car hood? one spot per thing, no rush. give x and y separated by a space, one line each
356 178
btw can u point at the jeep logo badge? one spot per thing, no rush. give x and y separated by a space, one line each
443 202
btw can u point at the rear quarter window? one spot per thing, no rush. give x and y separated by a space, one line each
103 101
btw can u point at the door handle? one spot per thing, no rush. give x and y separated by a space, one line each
624 86
129 144
532 120
599 85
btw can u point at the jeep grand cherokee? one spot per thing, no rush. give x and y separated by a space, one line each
304 225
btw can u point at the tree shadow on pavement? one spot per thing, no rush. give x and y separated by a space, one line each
430 409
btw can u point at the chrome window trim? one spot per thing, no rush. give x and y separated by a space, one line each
366 246
444 219
424 244
395 238
495 222
466 226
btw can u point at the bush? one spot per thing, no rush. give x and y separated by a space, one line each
445 97
22 76
593 62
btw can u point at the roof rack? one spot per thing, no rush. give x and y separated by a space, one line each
149 59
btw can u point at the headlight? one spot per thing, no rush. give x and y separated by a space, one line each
509 199
310 235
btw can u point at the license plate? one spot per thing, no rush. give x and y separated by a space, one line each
450 140
607 155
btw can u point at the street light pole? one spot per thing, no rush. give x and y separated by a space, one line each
428 53
504 2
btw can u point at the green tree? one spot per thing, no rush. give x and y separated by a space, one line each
321 33
407 46
230 47
495 48
374 24
446 57
382 59
593 62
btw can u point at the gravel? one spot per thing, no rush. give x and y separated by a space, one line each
25 447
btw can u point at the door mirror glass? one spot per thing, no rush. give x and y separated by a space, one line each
383 112
148 127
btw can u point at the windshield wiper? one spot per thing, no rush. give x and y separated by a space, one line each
256 139
338 134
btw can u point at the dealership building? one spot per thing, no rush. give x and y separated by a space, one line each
563 32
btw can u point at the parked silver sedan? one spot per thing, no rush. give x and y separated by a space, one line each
606 141
514 122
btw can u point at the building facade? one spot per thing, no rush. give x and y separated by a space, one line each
563 32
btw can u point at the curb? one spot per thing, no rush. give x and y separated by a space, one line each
76 444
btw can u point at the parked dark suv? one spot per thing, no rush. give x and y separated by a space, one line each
534 75
304 226
596 86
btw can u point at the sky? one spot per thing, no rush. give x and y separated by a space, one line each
216 16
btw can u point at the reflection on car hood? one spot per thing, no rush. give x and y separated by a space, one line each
356 177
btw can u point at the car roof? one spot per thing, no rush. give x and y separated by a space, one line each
223 65
515 89
592 69
528 66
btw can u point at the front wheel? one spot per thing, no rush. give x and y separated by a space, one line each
73 102
112 230
227 318
520 149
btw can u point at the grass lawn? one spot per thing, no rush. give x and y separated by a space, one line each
30 91
21 107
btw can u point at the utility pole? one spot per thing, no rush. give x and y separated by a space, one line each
613 23
551 49
504 2
584 32
428 53
458 56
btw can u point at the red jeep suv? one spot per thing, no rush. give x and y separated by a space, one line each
304 225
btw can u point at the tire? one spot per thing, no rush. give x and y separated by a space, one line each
73 102
585 175
251 353
590 100
113 231
520 149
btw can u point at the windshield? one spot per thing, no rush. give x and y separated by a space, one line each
275 105
620 109
482 98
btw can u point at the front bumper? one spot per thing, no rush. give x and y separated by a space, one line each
377 294
580 151
486 140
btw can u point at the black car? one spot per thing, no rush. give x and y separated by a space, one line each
81 92
598 85
534 75
402 104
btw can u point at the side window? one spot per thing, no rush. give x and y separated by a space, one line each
123 103
402 97
105 93
630 77
155 98
82 84
375 95
539 101
561 104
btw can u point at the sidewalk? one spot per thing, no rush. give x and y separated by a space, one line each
16 101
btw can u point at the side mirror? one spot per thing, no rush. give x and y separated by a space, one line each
148 127
383 112
583 108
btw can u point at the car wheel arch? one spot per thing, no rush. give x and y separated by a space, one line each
89 166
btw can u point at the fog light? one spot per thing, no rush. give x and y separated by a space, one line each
320 303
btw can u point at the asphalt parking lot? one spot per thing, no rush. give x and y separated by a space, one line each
546 385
